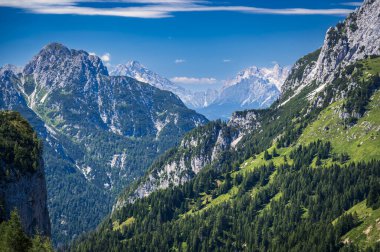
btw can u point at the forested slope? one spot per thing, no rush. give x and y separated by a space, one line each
291 195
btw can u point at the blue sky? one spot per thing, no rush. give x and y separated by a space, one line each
207 41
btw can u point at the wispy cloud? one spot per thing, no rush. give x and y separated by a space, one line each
226 60
179 61
193 80
355 4
153 8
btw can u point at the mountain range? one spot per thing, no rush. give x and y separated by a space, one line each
100 132
252 88
300 175
311 79
123 156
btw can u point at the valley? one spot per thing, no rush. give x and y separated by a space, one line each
97 156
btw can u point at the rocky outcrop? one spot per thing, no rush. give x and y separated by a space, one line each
28 195
254 87
356 38
198 149
22 180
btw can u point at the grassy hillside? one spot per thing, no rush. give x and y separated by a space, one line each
367 231
360 141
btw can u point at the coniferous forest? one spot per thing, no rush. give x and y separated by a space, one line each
99 154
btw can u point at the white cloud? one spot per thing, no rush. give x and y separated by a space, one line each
179 61
355 4
154 8
193 80
106 58
226 60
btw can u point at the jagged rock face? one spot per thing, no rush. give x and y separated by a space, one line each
59 69
73 89
8 67
137 71
198 148
245 121
87 118
354 39
22 187
10 96
299 72
29 196
253 88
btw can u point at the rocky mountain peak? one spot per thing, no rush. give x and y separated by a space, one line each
135 64
350 40
275 75
55 49
136 70
95 125
57 69
54 57
356 38
12 68
253 87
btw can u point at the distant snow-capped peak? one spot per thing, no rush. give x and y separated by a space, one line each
12 68
139 72
275 75
253 87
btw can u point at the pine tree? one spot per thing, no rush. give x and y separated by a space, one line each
274 153
373 199
266 155
12 237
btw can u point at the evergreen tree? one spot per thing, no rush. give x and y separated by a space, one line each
266 155
12 237
373 199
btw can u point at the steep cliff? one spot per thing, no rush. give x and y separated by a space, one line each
356 38
22 180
